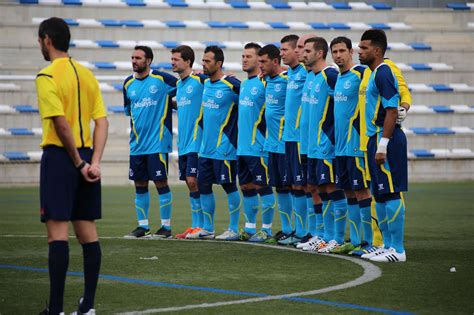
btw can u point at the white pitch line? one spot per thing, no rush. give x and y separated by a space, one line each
371 272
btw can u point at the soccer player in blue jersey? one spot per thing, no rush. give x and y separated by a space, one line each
387 146
350 165
147 97
321 142
291 136
313 201
217 155
189 100
276 79
251 157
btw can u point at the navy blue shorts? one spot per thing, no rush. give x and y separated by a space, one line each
149 167
276 170
252 169
295 175
64 194
320 172
350 173
188 165
212 171
392 176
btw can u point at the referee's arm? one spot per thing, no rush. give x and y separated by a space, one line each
100 138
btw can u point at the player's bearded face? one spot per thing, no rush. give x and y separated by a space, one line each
366 52
44 51
139 62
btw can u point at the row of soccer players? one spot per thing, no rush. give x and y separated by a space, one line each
316 133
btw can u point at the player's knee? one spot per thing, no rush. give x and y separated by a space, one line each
192 183
161 183
247 186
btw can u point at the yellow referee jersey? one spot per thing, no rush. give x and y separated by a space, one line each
405 97
66 88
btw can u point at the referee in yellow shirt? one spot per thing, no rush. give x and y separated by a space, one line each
68 99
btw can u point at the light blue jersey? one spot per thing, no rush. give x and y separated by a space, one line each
148 103
305 106
275 94
321 121
382 92
251 122
189 102
347 112
294 91
220 112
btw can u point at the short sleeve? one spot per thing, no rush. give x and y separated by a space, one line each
387 86
170 81
49 103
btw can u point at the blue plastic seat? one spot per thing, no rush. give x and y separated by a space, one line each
21 132
16 156
107 44
422 153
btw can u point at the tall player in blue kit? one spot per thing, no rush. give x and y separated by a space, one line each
251 157
275 92
350 165
321 142
291 136
147 100
217 156
189 101
387 146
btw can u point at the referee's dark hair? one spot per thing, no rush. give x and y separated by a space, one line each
292 39
272 51
58 31
147 50
218 53
341 40
319 43
377 38
187 53
253 45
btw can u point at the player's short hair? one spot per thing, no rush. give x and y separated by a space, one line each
319 43
187 53
292 39
218 53
147 50
341 40
272 51
58 31
253 45
377 37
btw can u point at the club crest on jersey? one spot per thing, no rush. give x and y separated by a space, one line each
133 93
317 88
277 87
189 89
298 76
254 91
153 89
347 84
310 85
219 94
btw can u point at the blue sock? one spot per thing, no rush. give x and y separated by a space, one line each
195 200
396 221
366 219
142 203
284 208
208 204
340 214
58 262
354 221
382 219
250 210
301 213
318 212
328 217
166 200
233 200
311 215
268 209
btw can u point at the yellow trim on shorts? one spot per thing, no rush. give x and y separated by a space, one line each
331 174
226 163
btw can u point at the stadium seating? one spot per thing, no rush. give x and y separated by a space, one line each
433 46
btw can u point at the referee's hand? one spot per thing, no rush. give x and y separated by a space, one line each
91 173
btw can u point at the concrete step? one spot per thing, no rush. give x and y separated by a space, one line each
116 172
25 34
435 17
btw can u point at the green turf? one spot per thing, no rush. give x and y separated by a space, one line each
439 235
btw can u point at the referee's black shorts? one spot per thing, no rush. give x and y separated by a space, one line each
64 194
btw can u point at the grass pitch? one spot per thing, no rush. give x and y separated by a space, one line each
439 235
